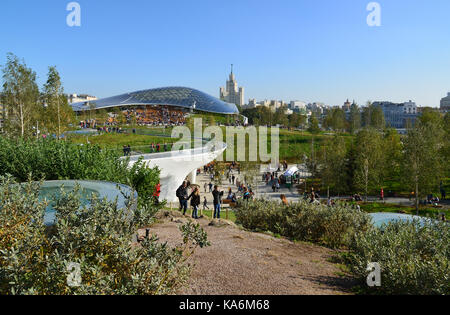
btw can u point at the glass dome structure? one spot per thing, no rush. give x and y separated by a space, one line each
181 97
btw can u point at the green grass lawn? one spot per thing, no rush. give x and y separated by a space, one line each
293 144
115 141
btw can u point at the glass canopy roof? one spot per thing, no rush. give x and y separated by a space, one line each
170 96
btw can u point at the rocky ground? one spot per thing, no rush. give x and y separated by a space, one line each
239 262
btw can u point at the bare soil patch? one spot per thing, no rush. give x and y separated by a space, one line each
239 262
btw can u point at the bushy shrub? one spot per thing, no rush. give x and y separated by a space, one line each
34 259
414 258
302 221
50 159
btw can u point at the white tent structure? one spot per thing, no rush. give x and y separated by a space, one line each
291 171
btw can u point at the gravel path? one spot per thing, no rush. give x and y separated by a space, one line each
244 263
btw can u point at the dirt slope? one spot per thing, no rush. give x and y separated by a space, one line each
244 263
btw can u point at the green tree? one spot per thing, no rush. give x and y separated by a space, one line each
446 145
393 148
377 120
58 113
333 165
280 117
354 119
366 115
20 96
337 122
369 160
313 124
423 161
297 120
373 116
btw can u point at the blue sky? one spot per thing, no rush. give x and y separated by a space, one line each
321 50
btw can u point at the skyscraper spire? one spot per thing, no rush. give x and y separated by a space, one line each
231 93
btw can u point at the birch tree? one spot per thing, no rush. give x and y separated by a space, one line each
20 97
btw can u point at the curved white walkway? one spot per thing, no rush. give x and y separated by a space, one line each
175 166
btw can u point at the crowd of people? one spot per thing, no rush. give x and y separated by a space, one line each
156 116
88 124
187 192
145 116
184 196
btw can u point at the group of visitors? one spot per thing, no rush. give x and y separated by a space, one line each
273 179
109 129
183 196
432 200
156 148
88 124
313 196
126 150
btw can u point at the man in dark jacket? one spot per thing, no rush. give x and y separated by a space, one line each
182 194
217 201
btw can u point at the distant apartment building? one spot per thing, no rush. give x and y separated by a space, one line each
275 105
252 103
445 103
232 93
298 106
397 115
316 107
76 98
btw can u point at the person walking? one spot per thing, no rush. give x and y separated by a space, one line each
206 187
205 204
210 187
195 202
157 193
382 194
443 193
217 195
182 195
247 195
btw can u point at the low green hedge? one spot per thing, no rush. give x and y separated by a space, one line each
50 159
414 258
303 221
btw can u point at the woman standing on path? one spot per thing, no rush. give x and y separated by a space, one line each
195 202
